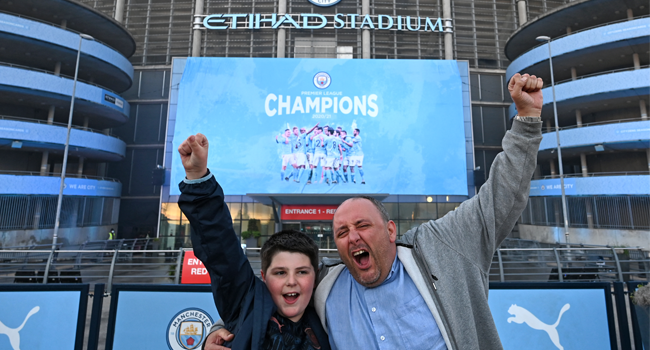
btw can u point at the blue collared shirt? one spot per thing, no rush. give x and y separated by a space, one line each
392 315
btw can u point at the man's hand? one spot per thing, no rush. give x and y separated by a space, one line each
526 92
215 340
194 154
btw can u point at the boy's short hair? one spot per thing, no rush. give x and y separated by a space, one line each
289 241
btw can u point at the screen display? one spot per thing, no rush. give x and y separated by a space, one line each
325 125
550 318
39 320
163 320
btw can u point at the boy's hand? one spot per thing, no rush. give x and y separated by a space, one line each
194 155
526 92
215 339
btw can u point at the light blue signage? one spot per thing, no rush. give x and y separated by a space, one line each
49 185
170 320
550 318
268 120
552 187
318 21
39 320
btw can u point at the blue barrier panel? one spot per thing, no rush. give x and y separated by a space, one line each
47 317
160 317
553 315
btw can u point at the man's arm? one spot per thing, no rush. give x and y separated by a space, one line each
213 238
479 225
313 128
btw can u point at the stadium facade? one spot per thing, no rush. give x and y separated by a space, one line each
41 43
478 32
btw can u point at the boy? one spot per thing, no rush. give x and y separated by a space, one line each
270 315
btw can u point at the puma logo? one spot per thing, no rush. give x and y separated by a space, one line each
522 315
12 333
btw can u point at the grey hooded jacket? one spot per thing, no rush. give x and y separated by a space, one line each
449 258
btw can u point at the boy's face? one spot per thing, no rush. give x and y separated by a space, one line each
290 280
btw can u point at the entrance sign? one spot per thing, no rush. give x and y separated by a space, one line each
308 212
268 121
194 272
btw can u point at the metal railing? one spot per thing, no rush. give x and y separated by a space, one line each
547 264
601 212
13 65
607 173
78 176
39 121
550 129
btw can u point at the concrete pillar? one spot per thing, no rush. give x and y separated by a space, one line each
64 24
568 30
630 14
521 11
583 164
119 11
365 33
449 40
80 168
574 74
196 28
282 34
553 171
578 118
86 123
643 109
635 59
57 68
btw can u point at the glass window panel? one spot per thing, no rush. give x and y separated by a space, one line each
425 211
473 79
392 209
406 211
235 210
477 125
491 88
444 208
493 125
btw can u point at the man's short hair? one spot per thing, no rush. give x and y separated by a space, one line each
344 131
379 205
289 241
285 130
359 131
319 128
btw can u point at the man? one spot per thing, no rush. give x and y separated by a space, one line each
332 154
356 158
318 141
300 149
431 291
346 148
287 154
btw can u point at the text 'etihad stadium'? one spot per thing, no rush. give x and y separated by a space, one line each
318 21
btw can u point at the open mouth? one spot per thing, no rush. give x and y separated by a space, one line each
362 258
291 298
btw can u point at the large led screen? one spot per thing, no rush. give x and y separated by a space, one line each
160 317
364 126
546 318
42 317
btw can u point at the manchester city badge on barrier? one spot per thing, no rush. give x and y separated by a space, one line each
188 328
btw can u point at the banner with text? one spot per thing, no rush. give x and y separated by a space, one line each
308 212
194 272
325 125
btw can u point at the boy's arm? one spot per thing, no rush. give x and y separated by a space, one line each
213 238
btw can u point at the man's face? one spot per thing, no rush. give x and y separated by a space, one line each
302 131
295 131
287 133
343 134
365 242
318 131
356 133
290 279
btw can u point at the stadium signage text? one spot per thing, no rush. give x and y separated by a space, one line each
318 21
308 212
279 104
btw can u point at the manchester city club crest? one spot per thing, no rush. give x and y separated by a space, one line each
188 329
322 80
324 3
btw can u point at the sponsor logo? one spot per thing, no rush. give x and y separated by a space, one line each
521 315
113 100
188 328
13 333
322 80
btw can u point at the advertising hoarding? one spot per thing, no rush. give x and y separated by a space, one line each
410 136
160 317
42 317
553 315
